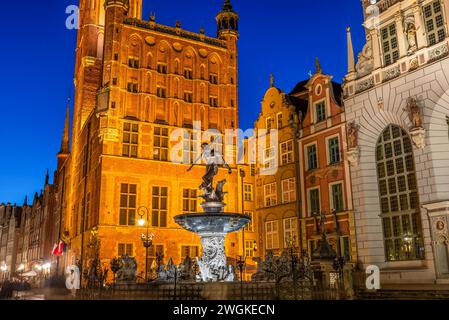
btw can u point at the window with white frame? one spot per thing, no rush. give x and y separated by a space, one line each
248 192
268 124
434 21
288 190
390 44
334 150
337 197
312 158
269 160
398 191
272 234
250 248
314 201
290 232
287 152
279 119
320 111
250 226
270 195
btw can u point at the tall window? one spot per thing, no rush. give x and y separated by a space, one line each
398 196
130 140
320 109
189 200
279 120
159 213
272 234
128 195
290 232
190 146
314 201
269 160
390 44
250 226
250 248
190 251
433 17
270 194
160 144
312 160
334 150
337 197
286 152
125 249
248 192
288 190
268 122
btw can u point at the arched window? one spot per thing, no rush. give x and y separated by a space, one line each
398 196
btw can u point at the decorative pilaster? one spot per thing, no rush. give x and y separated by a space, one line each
399 20
376 48
420 28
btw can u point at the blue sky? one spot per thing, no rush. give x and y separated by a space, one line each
282 37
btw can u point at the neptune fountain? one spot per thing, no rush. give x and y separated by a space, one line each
213 224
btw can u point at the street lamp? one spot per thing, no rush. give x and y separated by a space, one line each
147 240
241 265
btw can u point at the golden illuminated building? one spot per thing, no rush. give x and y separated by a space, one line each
136 82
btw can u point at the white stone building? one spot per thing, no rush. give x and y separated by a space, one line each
397 98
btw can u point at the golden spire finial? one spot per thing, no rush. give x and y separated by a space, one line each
318 69
271 80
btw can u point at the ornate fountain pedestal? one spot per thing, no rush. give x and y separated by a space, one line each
212 226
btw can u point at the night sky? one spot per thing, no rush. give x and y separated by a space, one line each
282 37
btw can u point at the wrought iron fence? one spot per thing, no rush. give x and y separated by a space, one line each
284 290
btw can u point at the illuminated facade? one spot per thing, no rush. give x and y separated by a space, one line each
310 181
136 83
396 98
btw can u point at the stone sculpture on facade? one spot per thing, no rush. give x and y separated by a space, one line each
417 132
353 143
365 60
411 37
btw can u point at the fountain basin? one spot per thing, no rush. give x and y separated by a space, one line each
212 227
216 223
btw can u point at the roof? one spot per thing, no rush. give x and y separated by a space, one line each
338 92
300 87
336 88
301 105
